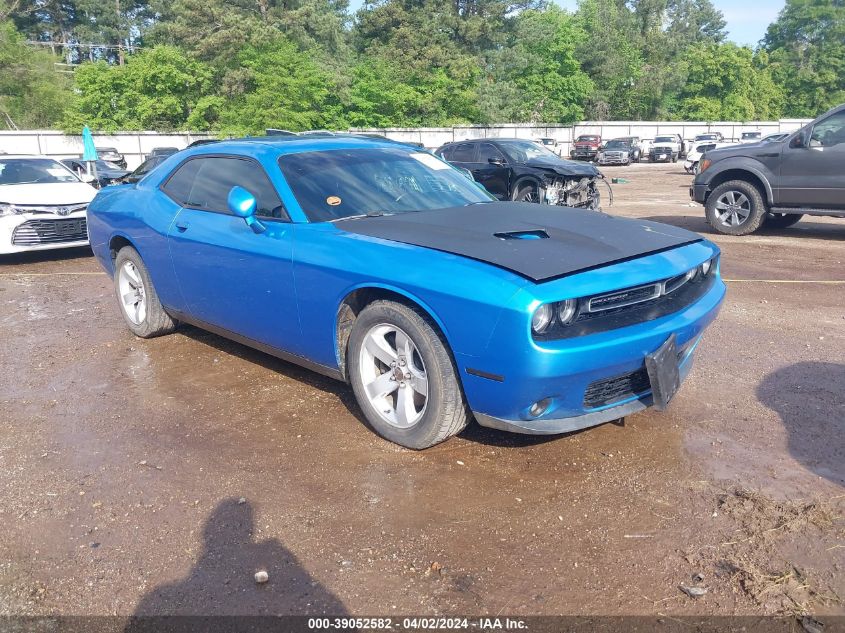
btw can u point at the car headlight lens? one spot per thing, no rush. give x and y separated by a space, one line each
708 266
542 318
566 311
8 209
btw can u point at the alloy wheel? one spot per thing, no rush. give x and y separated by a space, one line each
133 297
733 208
393 375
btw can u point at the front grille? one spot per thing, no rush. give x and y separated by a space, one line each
39 232
624 298
609 390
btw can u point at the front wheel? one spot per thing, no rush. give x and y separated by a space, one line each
527 192
735 208
137 296
403 376
782 220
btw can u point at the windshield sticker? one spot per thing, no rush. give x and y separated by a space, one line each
333 201
430 161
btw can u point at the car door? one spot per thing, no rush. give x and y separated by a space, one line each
491 169
230 276
814 175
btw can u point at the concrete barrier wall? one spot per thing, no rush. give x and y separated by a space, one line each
136 145
133 145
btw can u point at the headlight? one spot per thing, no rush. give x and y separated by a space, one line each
625 154
6 209
566 311
708 266
542 318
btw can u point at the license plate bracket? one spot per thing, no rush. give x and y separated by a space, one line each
663 373
68 227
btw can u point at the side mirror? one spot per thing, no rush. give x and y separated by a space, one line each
242 204
496 161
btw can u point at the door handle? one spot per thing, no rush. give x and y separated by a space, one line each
181 226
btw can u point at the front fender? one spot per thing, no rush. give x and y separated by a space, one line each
739 164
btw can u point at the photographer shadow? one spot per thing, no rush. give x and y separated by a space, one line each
222 582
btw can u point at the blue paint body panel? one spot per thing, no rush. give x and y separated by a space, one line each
283 288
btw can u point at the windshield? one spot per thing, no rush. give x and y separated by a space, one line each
588 139
664 139
617 145
705 148
747 135
22 171
523 151
705 137
337 184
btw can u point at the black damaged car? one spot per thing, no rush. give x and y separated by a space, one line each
517 169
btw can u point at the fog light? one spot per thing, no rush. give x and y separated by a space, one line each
539 408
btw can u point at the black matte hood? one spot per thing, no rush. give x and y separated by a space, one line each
564 167
538 242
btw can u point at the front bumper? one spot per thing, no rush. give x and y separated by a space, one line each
589 379
556 426
614 161
659 157
584 154
25 232
698 192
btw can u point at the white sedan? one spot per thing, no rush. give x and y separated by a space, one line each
42 205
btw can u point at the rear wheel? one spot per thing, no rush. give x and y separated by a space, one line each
735 208
403 376
137 296
782 220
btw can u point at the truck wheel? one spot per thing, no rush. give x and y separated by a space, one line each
403 376
782 220
137 296
735 208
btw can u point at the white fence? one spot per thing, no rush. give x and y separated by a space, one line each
133 145
136 145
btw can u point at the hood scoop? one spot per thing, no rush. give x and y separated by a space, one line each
523 235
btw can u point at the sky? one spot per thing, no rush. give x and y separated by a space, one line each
747 20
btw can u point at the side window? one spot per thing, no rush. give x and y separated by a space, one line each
463 153
829 132
446 154
206 183
486 151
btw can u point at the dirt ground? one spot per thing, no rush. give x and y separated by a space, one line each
157 476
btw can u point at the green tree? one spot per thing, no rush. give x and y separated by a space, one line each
284 88
32 93
806 47
157 89
726 82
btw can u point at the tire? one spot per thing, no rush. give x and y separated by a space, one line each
742 217
405 415
146 317
782 220
527 192
674 158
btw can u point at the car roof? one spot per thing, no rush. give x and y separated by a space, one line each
281 145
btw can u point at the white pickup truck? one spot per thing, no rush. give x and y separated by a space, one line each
667 148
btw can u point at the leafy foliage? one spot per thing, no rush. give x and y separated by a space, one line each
240 66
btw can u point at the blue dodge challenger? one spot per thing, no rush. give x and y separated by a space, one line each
379 264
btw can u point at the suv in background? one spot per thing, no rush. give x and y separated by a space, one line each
586 147
744 187
525 171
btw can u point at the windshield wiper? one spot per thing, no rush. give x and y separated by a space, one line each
368 214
